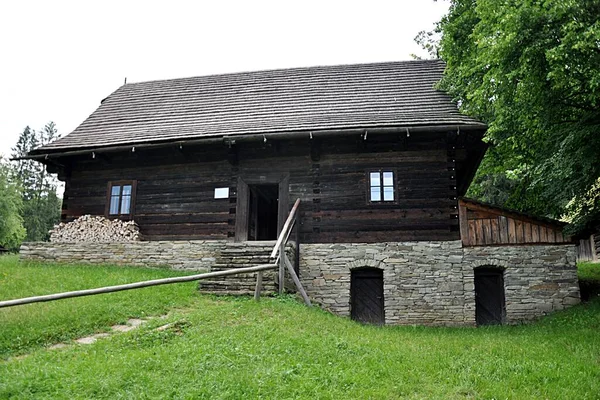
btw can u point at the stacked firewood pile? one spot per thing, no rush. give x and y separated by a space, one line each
89 228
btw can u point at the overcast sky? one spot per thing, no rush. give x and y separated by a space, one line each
58 59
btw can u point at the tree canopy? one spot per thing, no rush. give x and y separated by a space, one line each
531 70
41 205
12 231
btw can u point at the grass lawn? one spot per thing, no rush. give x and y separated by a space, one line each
27 327
235 348
589 271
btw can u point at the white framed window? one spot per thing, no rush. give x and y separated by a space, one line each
381 186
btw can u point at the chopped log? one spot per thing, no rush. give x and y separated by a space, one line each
89 228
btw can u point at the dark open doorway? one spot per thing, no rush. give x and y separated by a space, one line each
489 296
263 211
366 296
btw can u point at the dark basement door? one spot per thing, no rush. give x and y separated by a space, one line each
489 296
366 296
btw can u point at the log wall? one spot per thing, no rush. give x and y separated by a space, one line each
175 187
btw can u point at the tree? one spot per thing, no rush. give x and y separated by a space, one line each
12 231
41 205
529 69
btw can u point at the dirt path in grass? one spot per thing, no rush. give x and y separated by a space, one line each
131 324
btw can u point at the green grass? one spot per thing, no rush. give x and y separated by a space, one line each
26 327
588 271
235 348
589 280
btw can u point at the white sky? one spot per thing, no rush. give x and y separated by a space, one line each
58 59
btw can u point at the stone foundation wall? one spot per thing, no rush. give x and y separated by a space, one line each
538 279
432 283
193 255
425 283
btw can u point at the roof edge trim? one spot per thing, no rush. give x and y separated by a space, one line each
233 138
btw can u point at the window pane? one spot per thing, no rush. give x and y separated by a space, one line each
126 190
375 179
114 205
125 204
375 194
116 190
388 179
388 193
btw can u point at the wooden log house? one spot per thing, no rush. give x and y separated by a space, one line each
376 154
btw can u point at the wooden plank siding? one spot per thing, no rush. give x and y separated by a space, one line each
483 225
175 187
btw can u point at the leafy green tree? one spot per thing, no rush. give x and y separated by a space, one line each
530 69
41 205
12 231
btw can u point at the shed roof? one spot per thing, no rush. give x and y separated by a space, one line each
509 212
390 94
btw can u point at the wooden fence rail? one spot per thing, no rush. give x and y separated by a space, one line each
136 285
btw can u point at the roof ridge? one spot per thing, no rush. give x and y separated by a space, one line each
289 70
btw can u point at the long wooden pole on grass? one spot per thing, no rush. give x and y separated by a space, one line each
136 285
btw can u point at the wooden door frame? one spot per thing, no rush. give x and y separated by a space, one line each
353 295
243 203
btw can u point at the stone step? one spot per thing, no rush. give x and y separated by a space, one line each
234 287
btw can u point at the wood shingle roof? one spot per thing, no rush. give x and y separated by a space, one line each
391 94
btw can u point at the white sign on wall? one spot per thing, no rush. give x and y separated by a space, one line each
222 193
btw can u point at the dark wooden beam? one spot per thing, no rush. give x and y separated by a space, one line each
315 150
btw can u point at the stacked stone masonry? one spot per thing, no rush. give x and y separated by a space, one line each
425 283
432 283
193 255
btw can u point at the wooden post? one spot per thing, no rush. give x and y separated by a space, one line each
593 247
259 277
463 223
296 280
281 268
297 255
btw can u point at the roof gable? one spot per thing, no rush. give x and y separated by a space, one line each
393 94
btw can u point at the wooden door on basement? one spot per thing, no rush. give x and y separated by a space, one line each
489 296
366 296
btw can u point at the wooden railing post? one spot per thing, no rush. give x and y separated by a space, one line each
279 248
257 290
281 268
296 281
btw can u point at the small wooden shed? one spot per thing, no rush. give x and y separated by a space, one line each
483 224
588 244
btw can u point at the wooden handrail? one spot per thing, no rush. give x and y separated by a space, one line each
136 285
287 228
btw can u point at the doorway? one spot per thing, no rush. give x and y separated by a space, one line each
489 296
366 296
263 211
263 203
